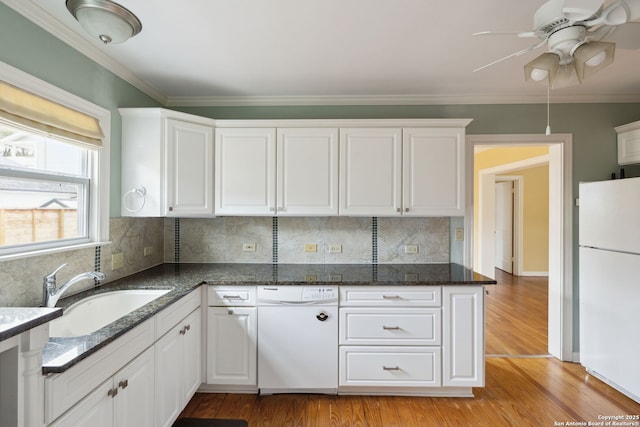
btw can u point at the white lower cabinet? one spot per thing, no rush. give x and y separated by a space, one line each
463 336
126 399
143 378
425 340
178 360
232 336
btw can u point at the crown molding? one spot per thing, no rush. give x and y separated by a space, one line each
228 101
45 21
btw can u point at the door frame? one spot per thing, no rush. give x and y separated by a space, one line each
560 303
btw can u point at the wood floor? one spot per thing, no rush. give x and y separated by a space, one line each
520 390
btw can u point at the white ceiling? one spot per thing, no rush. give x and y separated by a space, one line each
288 52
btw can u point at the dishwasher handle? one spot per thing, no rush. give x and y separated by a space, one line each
322 316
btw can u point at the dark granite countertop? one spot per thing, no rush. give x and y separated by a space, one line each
62 353
16 320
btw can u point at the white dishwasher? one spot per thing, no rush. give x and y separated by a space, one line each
298 339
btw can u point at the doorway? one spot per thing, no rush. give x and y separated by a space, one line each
504 194
560 295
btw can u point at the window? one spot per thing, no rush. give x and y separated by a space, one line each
53 176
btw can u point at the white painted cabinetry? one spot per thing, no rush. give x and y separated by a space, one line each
126 399
232 326
419 339
391 344
370 171
433 171
178 368
628 143
269 171
307 165
402 171
463 336
168 156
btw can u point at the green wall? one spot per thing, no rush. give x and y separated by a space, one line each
27 47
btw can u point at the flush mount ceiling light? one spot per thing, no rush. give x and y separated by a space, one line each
105 20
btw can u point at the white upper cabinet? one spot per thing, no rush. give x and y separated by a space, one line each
433 171
370 171
307 160
167 163
288 171
394 171
245 171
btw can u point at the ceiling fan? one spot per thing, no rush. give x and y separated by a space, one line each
581 37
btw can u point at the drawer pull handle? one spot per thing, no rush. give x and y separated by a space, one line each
390 296
390 368
123 384
391 328
234 297
113 392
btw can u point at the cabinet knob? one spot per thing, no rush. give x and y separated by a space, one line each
123 384
183 331
406 209
170 208
113 392
398 210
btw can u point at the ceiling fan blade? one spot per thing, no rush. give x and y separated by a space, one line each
626 36
580 10
522 34
518 53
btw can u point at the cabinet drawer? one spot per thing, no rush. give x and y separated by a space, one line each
391 296
168 318
390 326
231 296
390 366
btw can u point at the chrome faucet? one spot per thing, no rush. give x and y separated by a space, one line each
51 294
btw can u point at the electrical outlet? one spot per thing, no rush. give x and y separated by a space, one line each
249 247
148 250
410 249
335 249
311 278
411 277
117 261
459 233
311 247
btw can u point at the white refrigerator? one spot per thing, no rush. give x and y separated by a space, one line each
609 294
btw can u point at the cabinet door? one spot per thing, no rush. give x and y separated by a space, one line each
433 171
189 177
307 163
134 404
370 171
245 171
95 410
168 393
463 336
231 345
191 358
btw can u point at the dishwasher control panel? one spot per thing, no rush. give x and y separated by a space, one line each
295 294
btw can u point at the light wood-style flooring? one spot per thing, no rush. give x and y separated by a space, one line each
520 390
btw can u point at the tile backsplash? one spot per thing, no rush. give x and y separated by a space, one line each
146 242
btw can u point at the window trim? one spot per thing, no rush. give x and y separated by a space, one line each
99 157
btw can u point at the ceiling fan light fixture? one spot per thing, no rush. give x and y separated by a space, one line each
591 57
542 69
105 20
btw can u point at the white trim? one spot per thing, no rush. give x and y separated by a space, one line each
99 206
343 123
483 99
55 250
535 273
560 231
